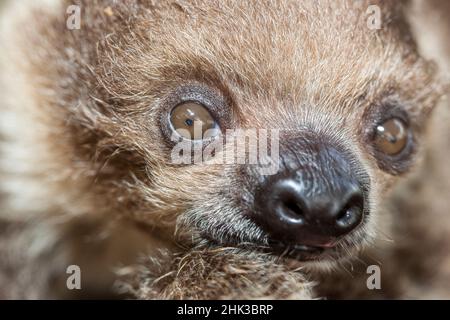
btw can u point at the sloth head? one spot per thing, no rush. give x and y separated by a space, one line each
339 107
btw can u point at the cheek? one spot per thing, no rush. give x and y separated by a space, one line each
381 220
381 186
385 183
381 182
165 193
182 186
379 198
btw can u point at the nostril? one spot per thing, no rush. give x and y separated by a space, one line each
292 209
351 214
288 202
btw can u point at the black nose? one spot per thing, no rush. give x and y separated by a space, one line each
314 213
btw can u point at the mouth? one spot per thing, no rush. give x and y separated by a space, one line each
331 251
297 252
328 250
306 253
292 252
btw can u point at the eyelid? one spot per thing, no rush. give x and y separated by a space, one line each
376 116
213 99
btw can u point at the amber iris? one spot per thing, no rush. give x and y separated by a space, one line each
392 136
193 121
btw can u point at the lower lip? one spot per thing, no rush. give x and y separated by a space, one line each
299 252
296 252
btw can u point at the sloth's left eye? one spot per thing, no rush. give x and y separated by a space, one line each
392 136
193 121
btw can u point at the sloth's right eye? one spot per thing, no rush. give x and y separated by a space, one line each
193 121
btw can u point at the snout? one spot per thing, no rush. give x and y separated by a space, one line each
291 213
316 199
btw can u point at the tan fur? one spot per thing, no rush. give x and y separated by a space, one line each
85 177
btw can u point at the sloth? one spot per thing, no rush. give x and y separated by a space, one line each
91 116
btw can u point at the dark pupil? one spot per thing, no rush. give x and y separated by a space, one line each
189 122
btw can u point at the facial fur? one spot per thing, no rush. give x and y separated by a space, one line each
92 109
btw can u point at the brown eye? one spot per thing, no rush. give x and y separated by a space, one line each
392 136
193 121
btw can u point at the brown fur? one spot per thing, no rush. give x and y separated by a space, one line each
85 178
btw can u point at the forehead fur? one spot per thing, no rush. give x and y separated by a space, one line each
278 55
313 51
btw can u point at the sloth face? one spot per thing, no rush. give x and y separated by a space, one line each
336 108
318 202
341 121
